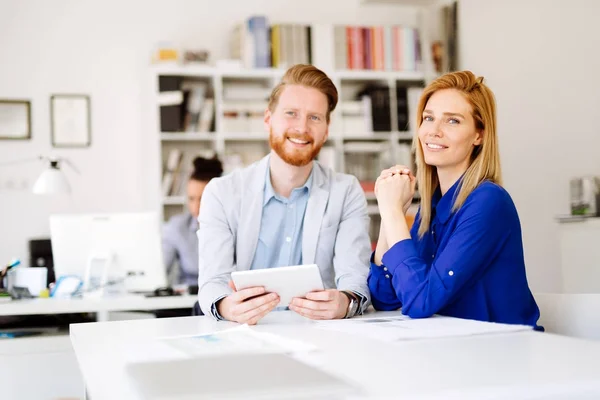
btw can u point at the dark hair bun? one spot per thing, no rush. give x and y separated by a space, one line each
206 168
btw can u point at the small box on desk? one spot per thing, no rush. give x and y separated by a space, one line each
34 279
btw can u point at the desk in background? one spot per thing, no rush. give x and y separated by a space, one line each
101 306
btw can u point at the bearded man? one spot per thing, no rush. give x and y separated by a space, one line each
287 209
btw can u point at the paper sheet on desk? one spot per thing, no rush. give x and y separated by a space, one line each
241 339
238 340
393 329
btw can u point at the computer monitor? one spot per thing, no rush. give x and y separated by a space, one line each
133 241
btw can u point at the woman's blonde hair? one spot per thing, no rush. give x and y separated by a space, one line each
485 158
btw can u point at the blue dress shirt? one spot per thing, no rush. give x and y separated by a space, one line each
180 243
469 264
282 221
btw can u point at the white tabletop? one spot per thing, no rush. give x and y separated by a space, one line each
523 365
82 305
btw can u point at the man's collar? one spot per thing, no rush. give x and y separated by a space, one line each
270 191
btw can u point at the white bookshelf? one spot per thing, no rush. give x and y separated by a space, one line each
379 75
370 196
372 209
252 144
174 200
195 71
187 136
245 137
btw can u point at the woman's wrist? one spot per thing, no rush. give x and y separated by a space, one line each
392 213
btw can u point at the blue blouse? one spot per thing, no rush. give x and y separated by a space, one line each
469 264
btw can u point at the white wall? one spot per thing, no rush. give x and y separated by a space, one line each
540 57
102 48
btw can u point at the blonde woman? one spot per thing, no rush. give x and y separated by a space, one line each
463 256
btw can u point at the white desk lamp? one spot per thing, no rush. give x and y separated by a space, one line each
52 180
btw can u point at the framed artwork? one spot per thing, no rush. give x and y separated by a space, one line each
70 120
15 119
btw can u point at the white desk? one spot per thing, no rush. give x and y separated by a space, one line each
101 306
523 365
48 361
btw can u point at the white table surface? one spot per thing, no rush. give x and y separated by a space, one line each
519 365
26 364
99 305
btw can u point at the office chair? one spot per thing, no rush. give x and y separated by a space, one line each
196 310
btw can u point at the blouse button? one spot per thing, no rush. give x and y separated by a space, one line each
387 276
451 273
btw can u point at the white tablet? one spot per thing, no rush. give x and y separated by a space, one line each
287 282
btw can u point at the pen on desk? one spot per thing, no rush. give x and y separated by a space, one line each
13 263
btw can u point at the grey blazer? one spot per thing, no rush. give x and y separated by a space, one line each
335 234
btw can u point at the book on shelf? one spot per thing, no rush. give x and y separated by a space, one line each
370 111
185 105
178 168
402 112
250 42
379 96
379 48
290 44
258 44
171 171
170 102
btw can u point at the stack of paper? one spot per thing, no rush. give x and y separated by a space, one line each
392 329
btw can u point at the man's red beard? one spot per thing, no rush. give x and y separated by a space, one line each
296 157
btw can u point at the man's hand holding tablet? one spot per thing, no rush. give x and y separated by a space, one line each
300 287
322 304
247 306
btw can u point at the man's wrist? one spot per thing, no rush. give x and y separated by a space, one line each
353 304
215 309
351 295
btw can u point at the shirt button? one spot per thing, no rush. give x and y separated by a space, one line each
450 273
385 268
387 276
433 256
291 206
288 239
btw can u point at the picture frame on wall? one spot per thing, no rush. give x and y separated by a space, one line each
15 119
70 120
